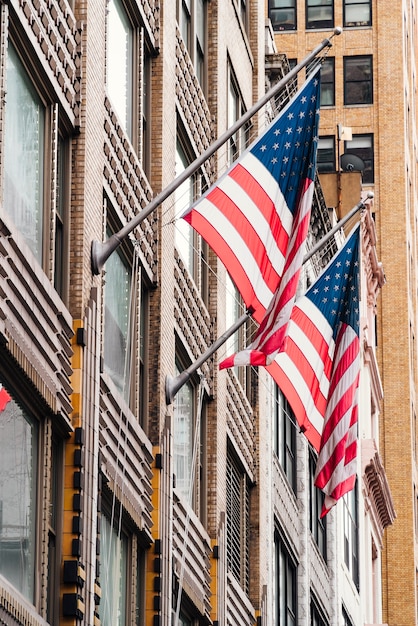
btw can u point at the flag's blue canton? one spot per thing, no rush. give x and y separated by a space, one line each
288 149
336 292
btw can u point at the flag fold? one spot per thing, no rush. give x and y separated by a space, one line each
256 216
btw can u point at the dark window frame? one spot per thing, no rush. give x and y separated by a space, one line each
316 24
138 331
285 441
115 514
355 23
193 25
326 165
237 519
286 589
366 153
56 188
352 534
328 81
290 23
317 525
356 80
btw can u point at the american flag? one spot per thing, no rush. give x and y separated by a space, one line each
256 216
318 370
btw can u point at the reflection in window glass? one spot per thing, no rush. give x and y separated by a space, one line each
319 13
183 438
117 321
24 154
119 62
18 495
357 13
328 82
183 196
362 147
113 574
358 80
282 14
326 154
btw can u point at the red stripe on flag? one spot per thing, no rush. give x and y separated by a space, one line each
235 268
264 203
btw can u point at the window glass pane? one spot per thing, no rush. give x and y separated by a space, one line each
358 88
60 218
200 41
237 522
327 82
185 19
362 146
18 495
285 444
183 197
285 585
183 439
357 13
282 14
319 14
119 62
113 574
117 321
24 154
326 154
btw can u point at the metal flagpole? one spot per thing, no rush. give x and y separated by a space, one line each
358 207
174 384
100 252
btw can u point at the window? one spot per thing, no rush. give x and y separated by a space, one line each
239 141
55 490
317 618
362 146
185 236
117 319
145 103
318 526
346 619
122 566
119 63
183 438
328 82
358 80
61 217
357 13
189 437
24 154
19 452
192 19
319 13
237 520
282 14
285 590
243 13
32 171
128 73
326 154
236 342
192 249
351 535
285 437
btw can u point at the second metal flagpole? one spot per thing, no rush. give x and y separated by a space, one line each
100 252
172 385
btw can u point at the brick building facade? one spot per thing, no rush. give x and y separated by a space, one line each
117 506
